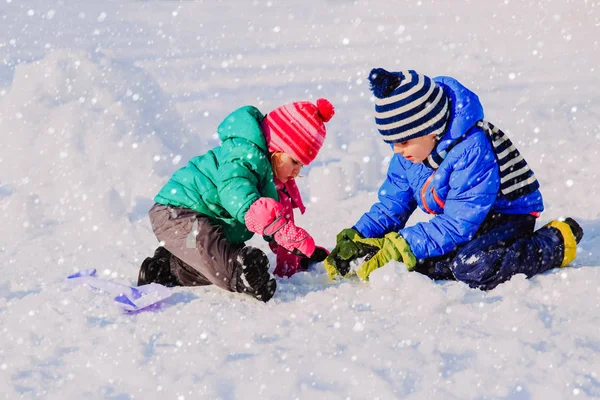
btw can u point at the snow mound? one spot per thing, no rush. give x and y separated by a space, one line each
339 180
80 115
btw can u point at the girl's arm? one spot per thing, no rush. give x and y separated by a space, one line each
238 187
243 176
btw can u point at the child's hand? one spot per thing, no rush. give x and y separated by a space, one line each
266 217
391 247
346 244
295 239
346 249
319 255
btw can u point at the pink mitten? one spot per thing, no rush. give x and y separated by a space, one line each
295 239
265 217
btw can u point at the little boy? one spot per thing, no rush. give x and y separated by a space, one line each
467 173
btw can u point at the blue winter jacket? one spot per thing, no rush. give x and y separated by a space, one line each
460 193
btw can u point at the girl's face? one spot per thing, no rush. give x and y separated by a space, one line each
416 150
285 166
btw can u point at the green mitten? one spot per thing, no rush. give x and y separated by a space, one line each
346 249
391 247
346 241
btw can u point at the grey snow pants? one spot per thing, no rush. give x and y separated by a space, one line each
201 254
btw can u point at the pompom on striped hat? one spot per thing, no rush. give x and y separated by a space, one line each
298 128
407 105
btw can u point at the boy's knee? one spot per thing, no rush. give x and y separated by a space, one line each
477 269
465 270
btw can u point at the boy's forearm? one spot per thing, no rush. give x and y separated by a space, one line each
379 220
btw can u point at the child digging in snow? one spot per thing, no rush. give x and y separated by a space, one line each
209 208
453 164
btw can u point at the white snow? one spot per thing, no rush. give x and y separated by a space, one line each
100 101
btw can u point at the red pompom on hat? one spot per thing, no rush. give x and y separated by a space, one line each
298 129
326 109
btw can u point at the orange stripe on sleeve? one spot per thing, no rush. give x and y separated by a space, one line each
423 191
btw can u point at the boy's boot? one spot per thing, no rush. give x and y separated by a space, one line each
157 269
571 233
253 274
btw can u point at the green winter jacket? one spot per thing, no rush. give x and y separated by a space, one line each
224 182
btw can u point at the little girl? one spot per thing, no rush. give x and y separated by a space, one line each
209 208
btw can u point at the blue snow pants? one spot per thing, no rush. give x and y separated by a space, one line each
504 245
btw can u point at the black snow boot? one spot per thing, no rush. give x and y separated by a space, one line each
157 269
575 228
253 276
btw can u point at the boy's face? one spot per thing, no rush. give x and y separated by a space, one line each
285 166
416 150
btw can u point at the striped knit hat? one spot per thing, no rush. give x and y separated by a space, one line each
298 128
407 105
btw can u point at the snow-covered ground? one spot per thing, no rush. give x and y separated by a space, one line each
100 101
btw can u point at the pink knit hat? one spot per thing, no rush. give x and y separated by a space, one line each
298 128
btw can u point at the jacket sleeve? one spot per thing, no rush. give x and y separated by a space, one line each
396 204
238 182
474 185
